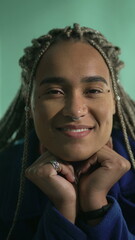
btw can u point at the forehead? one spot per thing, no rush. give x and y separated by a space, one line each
70 59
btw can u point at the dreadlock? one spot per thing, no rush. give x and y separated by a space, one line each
17 116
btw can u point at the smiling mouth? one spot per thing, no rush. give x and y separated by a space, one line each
75 132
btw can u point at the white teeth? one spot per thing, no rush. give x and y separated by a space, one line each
75 130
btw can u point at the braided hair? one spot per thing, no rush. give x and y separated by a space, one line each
17 116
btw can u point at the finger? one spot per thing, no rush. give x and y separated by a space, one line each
45 157
38 165
66 169
68 172
110 159
43 167
88 164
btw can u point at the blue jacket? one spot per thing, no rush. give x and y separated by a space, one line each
40 220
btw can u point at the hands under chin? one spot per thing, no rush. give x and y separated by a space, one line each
60 188
95 185
95 178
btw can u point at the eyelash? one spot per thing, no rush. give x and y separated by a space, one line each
55 92
59 92
94 91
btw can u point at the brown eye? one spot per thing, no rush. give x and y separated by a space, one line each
93 91
54 92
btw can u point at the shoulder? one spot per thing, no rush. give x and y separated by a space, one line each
14 152
119 143
11 154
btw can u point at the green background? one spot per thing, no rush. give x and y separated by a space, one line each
22 20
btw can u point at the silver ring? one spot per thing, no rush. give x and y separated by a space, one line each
56 165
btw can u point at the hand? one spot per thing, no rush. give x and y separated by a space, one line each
60 189
94 186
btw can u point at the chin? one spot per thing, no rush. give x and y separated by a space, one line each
75 156
73 153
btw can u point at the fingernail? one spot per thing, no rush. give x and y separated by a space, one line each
76 180
79 173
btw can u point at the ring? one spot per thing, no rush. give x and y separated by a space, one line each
56 165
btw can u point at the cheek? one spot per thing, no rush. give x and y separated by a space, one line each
42 109
44 115
42 119
105 113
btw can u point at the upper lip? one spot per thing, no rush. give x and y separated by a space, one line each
72 126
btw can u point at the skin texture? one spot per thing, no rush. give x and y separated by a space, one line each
62 90
72 62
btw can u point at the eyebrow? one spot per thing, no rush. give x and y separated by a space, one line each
61 80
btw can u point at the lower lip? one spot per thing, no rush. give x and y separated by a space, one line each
76 134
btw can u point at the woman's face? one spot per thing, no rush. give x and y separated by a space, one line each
72 80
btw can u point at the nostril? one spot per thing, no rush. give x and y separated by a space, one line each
75 111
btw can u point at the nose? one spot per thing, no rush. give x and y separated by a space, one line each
75 107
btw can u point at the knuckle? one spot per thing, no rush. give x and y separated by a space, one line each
121 164
128 165
124 165
109 166
71 168
40 171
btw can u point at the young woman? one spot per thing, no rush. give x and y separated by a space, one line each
75 160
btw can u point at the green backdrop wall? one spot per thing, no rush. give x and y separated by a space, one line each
20 21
